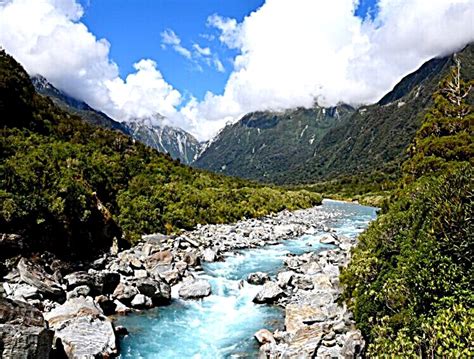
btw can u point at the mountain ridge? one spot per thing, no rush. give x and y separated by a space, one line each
373 137
166 139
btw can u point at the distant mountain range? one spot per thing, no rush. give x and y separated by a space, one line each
310 145
299 145
175 141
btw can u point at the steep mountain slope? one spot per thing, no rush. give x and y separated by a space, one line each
75 107
371 138
177 142
166 139
70 188
262 144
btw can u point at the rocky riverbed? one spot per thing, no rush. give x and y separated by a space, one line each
315 324
70 308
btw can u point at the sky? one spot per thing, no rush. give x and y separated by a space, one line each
204 63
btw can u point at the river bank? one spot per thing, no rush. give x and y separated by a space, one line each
78 304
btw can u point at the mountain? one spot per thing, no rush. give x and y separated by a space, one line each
277 147
261 144
166 139
74 106
175 141
72 188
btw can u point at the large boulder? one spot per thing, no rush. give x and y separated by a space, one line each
193 289
270 293
158 291
23 331
82 328
37 277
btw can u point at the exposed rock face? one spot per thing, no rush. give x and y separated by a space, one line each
35 276
194 289
270 293
83 329
23 331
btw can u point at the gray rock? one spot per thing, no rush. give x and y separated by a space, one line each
303 282
23 331
36 276
270 293
171 277
141 301
125 292
197 288
264 336
82 328
140 273
354 345
192 259
82 290
329 239
159 258
158 291
258 278
208 255
77 279
284 278
121 308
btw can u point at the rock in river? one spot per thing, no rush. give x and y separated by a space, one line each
270 293
197 288
258 278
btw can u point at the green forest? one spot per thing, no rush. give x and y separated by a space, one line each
410 282
71 187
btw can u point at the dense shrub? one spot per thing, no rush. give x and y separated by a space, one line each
410 282
71 187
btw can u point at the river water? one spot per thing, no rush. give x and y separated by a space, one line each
222 325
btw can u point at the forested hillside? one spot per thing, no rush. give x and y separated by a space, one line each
410 282
301 146
70 187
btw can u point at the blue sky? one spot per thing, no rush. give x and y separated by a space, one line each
165 55
134 27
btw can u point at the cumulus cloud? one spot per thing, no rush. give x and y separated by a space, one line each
293 53
289 53
48 39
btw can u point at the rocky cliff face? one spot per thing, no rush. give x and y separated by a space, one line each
175 141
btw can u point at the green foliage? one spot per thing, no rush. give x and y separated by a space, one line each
315 145
70 187
410 281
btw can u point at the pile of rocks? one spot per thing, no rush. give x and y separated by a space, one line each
73 301
315 324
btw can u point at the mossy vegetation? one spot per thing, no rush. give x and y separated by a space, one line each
410 282
70 187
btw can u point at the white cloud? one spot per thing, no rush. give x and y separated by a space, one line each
218 64
202 51
169 37
289 53
46 37
230 30
293 52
